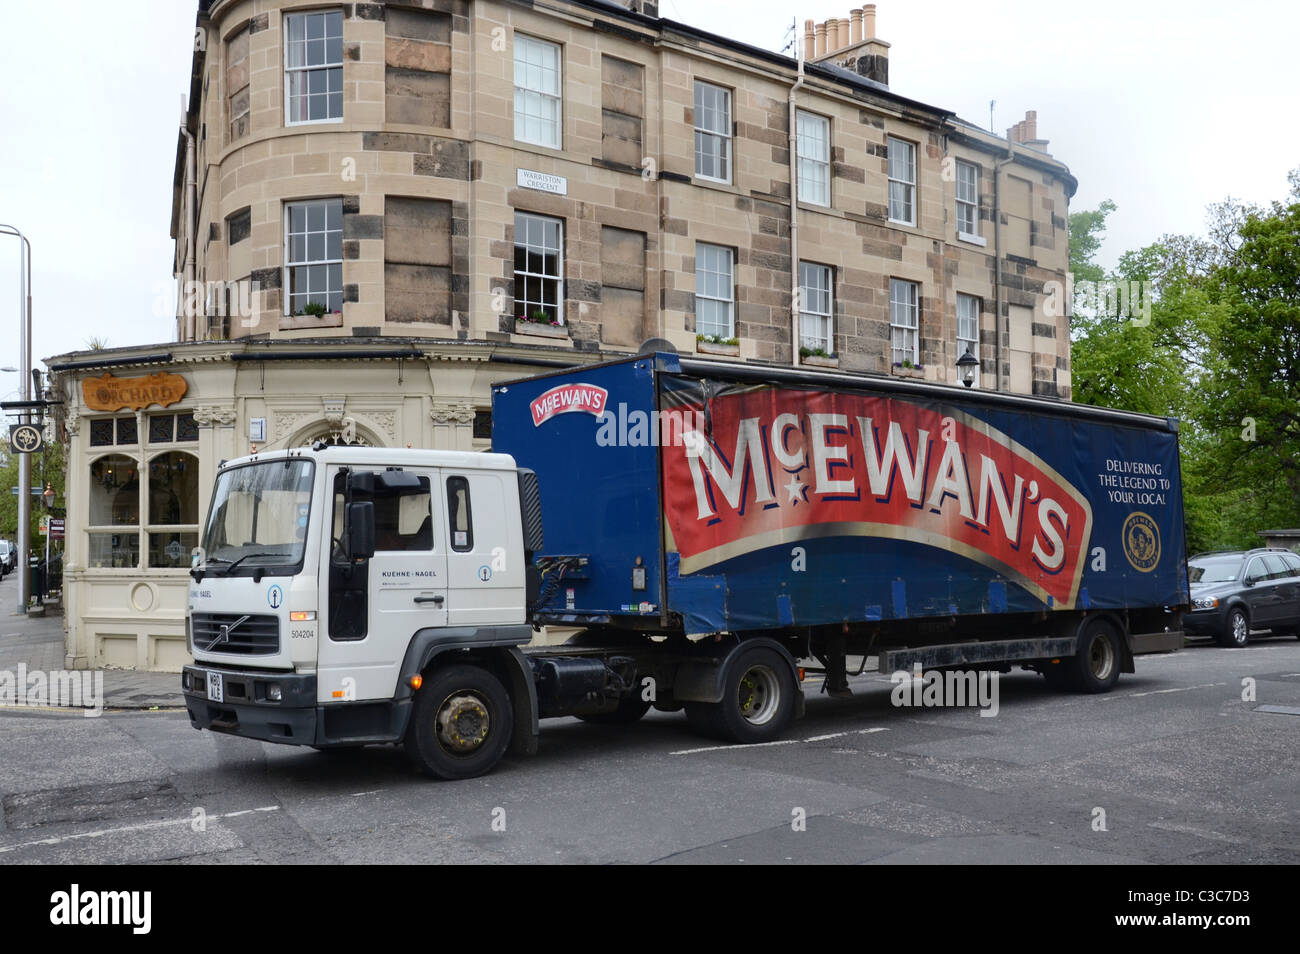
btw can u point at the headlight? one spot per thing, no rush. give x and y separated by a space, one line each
1204 603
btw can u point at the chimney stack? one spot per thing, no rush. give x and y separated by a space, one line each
1025 132
851 42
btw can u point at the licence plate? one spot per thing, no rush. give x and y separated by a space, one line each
215 693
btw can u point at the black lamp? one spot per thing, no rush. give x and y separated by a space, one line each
966 366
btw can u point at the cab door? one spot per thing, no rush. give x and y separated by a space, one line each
374 606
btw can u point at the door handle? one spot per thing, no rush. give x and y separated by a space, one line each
429 599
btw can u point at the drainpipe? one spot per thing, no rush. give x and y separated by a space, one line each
795 337
191 226
997 266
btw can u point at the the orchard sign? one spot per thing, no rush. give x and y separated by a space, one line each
108 393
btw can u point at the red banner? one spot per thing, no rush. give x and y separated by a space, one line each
781 466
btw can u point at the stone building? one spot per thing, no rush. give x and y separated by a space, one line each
381 208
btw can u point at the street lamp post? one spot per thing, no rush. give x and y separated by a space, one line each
25 374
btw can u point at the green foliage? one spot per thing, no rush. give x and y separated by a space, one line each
47 467
1086 230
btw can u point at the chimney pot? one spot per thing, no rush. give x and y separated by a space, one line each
869 22
809 40
832 34
855 17
844 33
820 34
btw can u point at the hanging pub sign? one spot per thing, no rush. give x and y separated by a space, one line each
107 393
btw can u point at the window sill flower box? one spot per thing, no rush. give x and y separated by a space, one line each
899 371
819 361
540 329
712 347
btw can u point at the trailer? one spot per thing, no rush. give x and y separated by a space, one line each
711 533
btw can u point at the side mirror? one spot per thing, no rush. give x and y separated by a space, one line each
361 530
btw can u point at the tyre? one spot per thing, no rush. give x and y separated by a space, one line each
461 723
1236 629
1095 666
757 700
630 709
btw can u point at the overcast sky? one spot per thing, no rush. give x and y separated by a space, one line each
1162 107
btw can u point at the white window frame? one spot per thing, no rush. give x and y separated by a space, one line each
722 132
558 278
906 185
968 201
817 306
971 305
904 321
290 263
308 68
727 257
539 91
814 145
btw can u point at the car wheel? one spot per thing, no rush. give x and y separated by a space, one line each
1236 630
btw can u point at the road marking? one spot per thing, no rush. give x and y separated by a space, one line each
60 839
359 794
1283 710
1156 692
759 745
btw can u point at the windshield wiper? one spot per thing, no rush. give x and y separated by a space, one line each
236 563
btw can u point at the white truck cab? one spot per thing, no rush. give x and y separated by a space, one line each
328 579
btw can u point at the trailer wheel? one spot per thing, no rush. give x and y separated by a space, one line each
630 709
1095 666
1236 631
461 723
757 700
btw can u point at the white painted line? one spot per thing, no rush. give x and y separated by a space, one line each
146 826
758 745
738 748
1156 692
359 794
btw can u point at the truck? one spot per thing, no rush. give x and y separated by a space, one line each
705 535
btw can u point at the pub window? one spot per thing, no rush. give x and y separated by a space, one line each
168 428
173 494
106 431
459 518
113 517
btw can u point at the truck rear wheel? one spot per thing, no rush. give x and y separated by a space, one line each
461 723
1095 665
757 700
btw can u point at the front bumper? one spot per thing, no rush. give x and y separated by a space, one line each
1209 622
296 719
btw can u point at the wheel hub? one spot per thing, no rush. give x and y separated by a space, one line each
1101 657
463 723
758 695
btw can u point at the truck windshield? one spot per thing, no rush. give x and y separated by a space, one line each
259 515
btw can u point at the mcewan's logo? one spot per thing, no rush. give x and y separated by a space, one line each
568 397
779 466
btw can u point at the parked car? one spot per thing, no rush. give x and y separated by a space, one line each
1238 591
8 557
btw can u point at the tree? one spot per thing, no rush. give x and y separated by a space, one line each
1252 385
1086 230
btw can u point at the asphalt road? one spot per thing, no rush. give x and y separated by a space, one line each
1183 769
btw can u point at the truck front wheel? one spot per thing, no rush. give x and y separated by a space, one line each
757 700
461 723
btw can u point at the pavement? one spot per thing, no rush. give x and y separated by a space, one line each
37 644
